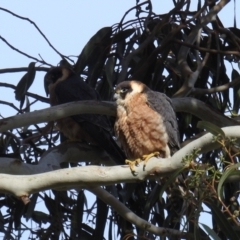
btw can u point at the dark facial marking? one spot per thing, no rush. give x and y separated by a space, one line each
124 88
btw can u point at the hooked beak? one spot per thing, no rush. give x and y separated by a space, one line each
116 96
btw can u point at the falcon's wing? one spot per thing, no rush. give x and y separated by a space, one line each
163 106
75 89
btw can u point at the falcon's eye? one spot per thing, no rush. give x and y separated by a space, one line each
124 90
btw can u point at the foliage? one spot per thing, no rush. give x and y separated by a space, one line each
181 53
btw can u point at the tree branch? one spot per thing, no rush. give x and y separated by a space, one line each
74 152
127 214
38 97
38 29
25 54
22 69
92 176
224 87
189 105
202 111
188 75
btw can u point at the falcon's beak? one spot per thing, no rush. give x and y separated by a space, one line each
116 96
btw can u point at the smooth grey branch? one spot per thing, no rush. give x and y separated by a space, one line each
189 105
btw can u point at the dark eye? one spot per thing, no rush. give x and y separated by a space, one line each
124 90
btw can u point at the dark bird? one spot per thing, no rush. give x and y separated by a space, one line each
146 123
64 86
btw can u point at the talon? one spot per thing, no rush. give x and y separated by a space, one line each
145 158
133 163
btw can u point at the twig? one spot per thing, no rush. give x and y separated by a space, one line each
10 104
22 69
25 54
33 95
35 25
224 87
214 51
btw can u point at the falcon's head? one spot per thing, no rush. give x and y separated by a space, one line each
54 75
126 89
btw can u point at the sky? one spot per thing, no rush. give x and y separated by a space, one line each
68 25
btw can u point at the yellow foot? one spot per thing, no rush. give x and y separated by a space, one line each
145 158
133 163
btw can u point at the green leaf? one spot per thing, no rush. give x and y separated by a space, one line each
221 220
101 219
234 74
210 232
20 89
91 49
122 35
170 180
236 92
40 217
197 235
215 130
25 83
234 30
230 171
109 68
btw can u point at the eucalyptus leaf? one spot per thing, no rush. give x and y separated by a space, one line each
215 130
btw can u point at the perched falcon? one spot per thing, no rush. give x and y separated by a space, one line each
146 123
64 86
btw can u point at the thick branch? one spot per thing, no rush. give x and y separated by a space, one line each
92 176
189 105
202 111
74 152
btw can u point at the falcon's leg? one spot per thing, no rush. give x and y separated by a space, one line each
145 158
133 163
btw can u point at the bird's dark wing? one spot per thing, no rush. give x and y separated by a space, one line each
97 126
163 106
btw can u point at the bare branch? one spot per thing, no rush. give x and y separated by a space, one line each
189 105
9 104
38 29
22 69
224 87
74 152
25 54
92 176
202 111
127 214
33 95
214 51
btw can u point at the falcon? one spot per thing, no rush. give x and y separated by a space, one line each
146 123
64 86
